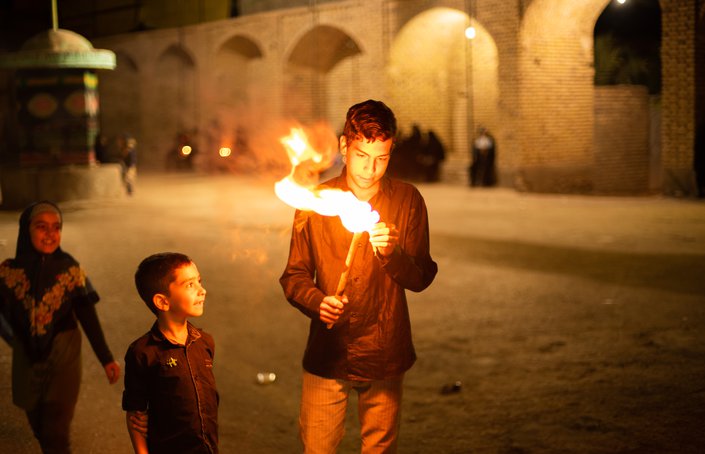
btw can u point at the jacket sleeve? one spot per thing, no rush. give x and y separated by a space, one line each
135 396
87 315
411 265
297 281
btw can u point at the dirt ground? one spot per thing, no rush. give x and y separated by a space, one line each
574 324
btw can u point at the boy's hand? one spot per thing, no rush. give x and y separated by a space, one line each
384 238
139 421
112 371
331 308
137 428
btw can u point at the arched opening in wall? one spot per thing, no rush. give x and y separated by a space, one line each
120 103
235 109
177 107
321 76
556 96
441 81
627 56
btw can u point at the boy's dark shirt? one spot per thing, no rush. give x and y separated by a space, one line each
372 340
176 384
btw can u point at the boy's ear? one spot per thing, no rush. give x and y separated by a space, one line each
161 302
343 145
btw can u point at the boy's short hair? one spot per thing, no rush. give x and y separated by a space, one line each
370 119
155 273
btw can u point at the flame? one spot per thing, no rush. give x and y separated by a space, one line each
356 215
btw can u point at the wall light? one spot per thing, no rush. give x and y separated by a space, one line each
470 32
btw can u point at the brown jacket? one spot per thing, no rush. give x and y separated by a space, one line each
372 340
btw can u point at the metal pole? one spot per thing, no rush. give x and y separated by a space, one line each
54 16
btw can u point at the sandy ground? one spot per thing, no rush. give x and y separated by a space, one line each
575 324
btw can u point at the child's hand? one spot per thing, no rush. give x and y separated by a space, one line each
384 238
330 309
139 421
112 371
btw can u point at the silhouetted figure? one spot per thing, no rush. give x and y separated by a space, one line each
405 162
482 171
432 156
699 159
127 146
101 148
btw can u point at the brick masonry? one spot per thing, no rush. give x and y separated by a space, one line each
527 76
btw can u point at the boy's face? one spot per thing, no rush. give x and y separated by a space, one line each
366 163
186 294
45 232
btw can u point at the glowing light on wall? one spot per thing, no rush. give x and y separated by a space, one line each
186 150
224 152
470 32
621 2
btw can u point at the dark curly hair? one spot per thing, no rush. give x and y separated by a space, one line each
371 120
155 273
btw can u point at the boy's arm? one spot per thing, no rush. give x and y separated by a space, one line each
134 399
297 281
138 439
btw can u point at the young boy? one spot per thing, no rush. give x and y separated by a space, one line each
169 370
368 348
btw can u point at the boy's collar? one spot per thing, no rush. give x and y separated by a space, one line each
157 335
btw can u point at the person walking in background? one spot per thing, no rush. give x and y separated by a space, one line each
127 146
169 370
482 168
368 346
43 291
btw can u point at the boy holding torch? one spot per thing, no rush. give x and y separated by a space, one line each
362 339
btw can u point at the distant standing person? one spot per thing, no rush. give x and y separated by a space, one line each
435 154
128 160
101 148
368 347
482 168
699 159
43 292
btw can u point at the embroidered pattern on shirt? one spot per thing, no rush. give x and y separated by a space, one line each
171 362
41 314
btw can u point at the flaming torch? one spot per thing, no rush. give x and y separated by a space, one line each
297 190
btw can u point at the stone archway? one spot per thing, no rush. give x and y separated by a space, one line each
176 101
233 67
556 95
442 81
120 99
234 102
320 76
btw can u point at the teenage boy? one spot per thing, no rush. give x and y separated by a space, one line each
169 370
369 346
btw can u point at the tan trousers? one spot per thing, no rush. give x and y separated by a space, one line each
324 403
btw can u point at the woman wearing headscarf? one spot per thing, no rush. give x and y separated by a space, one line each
44 293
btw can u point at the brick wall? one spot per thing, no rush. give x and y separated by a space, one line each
678 95
530 79
621 140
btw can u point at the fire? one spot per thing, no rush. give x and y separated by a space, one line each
298 188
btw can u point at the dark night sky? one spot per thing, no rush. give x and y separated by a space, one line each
637 23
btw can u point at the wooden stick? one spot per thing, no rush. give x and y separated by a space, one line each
348 261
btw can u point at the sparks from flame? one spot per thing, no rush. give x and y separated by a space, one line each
356 216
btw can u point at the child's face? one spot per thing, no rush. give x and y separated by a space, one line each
45 232
186 294
366 162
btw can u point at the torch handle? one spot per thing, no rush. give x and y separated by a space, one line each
348 261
